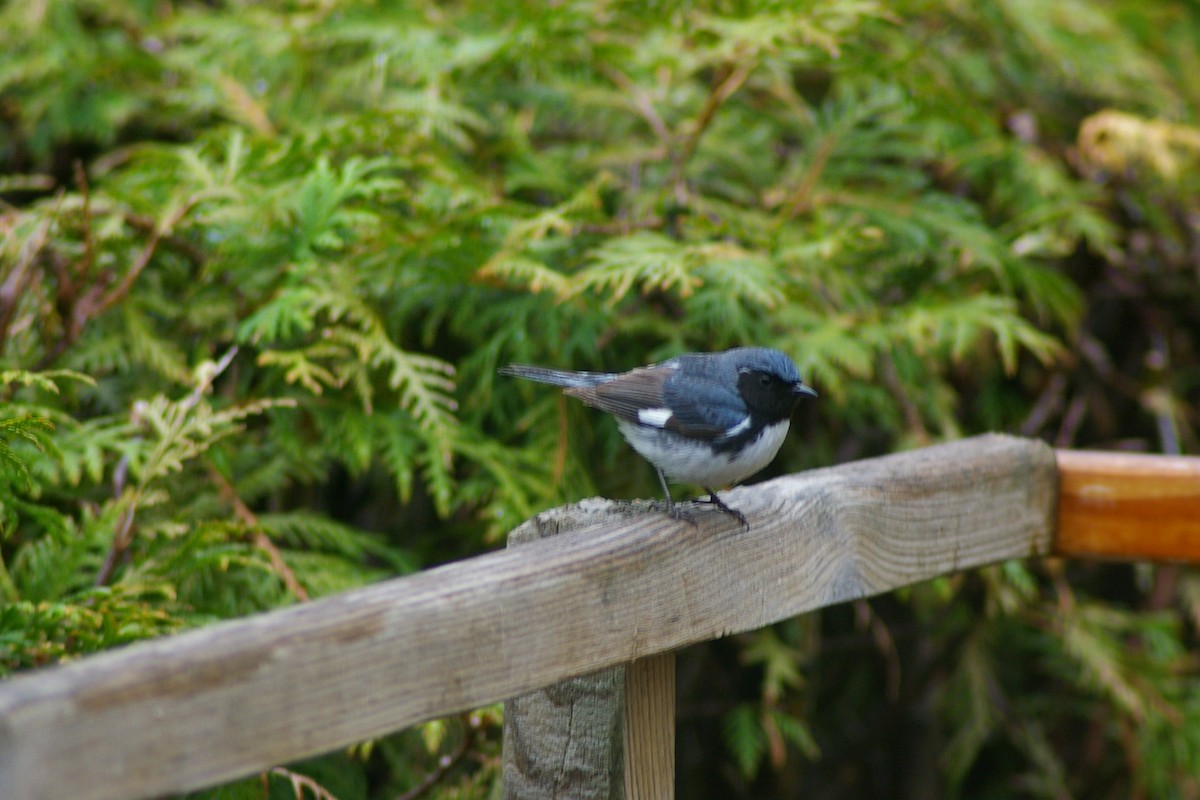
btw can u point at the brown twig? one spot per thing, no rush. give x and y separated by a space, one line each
261 540
801 200
88 262
299 783
124 529
147 224
123 533
99 297
912 414
641 102
1165 589
1049 402
622 226
122 538
1072 419
446 763
143 259
732 81
735 75
885 643
561 449
17 281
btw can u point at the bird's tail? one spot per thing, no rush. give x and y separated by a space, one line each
558 377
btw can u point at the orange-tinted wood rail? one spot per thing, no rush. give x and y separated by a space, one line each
1128 506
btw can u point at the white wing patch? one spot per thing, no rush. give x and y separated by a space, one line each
741 427
655 417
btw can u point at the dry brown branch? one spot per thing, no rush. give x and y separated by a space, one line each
261 540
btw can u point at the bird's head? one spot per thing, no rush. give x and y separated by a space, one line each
769 382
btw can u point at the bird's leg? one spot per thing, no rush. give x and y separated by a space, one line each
733 512
662 481
673 510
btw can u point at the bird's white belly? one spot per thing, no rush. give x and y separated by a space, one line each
694 462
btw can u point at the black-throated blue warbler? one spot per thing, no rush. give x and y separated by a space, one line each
709 419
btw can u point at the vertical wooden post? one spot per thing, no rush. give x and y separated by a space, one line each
605 736
564 742
650 728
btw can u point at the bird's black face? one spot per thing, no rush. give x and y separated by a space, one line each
769 395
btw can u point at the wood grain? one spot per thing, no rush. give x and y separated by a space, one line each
650 728
609 735
232 699
1128 506
565 742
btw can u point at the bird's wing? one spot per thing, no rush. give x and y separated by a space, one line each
703 409
628 394
659 397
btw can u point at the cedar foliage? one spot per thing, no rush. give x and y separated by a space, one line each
261 260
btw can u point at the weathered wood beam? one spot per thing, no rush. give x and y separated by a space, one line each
229 700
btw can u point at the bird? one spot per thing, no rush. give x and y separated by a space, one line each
708 419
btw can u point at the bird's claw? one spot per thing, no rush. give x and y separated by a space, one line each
677 511
724 509
687 511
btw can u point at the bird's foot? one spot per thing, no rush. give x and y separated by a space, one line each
687 511
681 512
724 509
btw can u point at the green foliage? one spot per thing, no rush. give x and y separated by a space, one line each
259 263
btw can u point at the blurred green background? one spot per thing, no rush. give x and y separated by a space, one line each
259 262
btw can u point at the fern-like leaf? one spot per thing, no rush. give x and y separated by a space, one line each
647 261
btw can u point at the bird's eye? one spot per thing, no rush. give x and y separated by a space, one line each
765 380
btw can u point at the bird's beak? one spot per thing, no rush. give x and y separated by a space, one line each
804 389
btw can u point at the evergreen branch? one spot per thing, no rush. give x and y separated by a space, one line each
744 739
98 298
24 427
146 224
87 263
185 428
651 261
43 380
261 540
301 369
208 372
118 293
16 284
914 230
123 531
624 226
912 415
736 73
800 201
641 102
243 106
533 276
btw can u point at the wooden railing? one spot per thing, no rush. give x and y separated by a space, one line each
593 612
